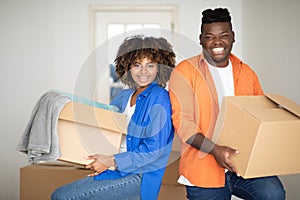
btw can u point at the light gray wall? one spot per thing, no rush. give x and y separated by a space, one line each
44 44
271 45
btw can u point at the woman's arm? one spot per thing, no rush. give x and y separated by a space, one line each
152 142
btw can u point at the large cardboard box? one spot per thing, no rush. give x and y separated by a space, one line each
172 170
170 188
86 130
38 181
172 192
265 130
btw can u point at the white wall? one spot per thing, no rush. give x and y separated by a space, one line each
44 44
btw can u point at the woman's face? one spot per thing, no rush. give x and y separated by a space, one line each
143 72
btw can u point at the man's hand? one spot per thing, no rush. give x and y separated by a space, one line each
100 163
222 155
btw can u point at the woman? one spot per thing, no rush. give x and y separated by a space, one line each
144 64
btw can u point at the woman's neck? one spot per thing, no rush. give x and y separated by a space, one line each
136 93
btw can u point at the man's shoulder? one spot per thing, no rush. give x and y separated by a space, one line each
237 62
239 65
189 62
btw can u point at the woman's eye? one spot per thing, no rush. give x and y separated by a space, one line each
137 65
150 65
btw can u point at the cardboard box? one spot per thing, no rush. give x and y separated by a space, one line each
86 130
172 192
40 180
265 130
170 188
172 170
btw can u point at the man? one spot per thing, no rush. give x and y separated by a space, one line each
197 87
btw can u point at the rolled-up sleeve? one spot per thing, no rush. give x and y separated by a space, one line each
183 104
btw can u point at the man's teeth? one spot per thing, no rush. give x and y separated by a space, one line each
217 50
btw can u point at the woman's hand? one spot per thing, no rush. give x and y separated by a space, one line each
100 163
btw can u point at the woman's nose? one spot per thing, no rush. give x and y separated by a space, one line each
143 69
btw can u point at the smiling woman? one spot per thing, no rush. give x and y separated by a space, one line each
144 64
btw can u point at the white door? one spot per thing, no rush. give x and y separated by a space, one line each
111 26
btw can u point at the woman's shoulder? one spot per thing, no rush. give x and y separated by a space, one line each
121 96
159 92
158 89
124 92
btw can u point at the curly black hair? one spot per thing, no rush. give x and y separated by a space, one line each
158 50
216 15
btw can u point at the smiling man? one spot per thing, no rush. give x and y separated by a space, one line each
197 87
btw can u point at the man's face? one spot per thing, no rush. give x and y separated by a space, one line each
217 40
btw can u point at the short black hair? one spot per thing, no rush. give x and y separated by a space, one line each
216 15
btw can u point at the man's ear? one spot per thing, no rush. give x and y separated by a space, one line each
233 37
200 36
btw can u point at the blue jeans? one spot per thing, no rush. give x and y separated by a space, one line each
125 188
266 188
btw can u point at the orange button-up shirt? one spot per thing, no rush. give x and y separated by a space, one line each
195 108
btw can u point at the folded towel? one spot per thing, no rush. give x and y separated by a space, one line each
86 101
40 139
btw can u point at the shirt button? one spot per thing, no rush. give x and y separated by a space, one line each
129 138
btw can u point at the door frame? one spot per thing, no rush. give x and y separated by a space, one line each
93 9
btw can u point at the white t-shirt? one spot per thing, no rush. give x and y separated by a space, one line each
129 110
223 79
224 83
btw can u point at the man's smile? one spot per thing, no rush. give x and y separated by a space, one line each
218 50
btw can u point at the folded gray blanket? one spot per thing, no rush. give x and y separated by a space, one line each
40 139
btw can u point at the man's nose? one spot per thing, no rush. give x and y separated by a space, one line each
217 40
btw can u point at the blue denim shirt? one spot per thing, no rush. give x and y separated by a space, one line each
149 139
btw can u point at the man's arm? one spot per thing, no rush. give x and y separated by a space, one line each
222 154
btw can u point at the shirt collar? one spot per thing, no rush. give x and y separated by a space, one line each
146 92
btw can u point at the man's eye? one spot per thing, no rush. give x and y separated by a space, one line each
225 36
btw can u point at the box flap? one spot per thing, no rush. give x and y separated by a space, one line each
285 103
94 116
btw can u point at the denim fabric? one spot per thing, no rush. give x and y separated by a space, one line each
265 188
125 188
